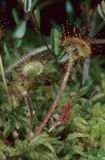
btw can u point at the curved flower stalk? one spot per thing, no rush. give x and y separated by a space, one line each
54 105
77 47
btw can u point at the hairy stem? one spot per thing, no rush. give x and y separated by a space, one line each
4 82
54 105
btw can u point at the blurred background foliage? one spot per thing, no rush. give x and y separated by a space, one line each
31 25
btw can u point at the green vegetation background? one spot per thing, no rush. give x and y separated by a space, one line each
83 137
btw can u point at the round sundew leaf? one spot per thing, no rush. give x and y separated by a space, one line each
32 69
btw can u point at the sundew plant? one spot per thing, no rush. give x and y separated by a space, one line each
52 86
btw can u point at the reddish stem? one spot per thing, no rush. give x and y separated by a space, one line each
54 105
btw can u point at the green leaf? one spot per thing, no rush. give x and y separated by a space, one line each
97 97
6 50
97 111
50 147
55 37
37 16
20 30
95 131
80 123
78 150
85 89
103 7
103 81
2 119
76 135
4 148
18 43
44 140
15 16
27 5
103 142
8 128
100 11
69 10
